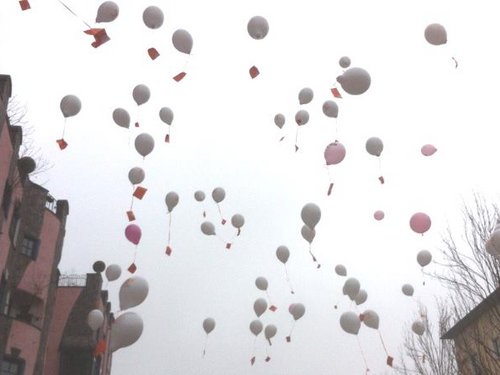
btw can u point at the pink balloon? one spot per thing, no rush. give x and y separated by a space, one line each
334 153
420 222
379 215
133 233
428 150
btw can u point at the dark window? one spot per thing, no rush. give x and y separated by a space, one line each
12 366
6 200
496 347
29 247
3 293
475 365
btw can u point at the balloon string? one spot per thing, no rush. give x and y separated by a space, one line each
292 328
205 345
135 254
64 128
169 226
73 13
132 199
382 341
288 280
313 257
220 213
268 297
296 138
362 354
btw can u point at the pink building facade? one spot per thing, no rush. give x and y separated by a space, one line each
32 230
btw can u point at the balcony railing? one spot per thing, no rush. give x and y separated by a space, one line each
51 203
72 280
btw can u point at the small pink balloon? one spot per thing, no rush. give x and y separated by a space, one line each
379 215
428 150
133 233
334 153
420 222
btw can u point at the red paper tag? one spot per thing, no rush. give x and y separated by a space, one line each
136 124
381 179
336 92
168 250
24 4
288 339
100 348
167 138
139 192
179 76
223 222
273 308
254 72
268 359
99 35
62 144
132 268
153 53
389 361
228 245
130 215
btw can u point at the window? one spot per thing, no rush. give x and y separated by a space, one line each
12 366
7 197
3 294
29 247
496 347
475 365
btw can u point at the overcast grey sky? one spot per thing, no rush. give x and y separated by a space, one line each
223 135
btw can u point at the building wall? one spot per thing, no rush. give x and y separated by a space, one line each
65 300
478 339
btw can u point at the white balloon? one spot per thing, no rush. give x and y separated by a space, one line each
144 144
261 283
237 221
270 332
374 146
282 253
70 105
182 41
306 95
330 109
141 94
133 292
279 120
256 327
258 27
307 233
349 321
152 17
126 330
302 117
407 290
113 272
418 327
95 318
371 319
351 288
208 228
171 200
107 12
435 34
199 196
311 214
493 243
344 62
260 306
297 310
136 175
166 115
121 117
424 257
218 194
361 297
340 270
208 325
355 81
